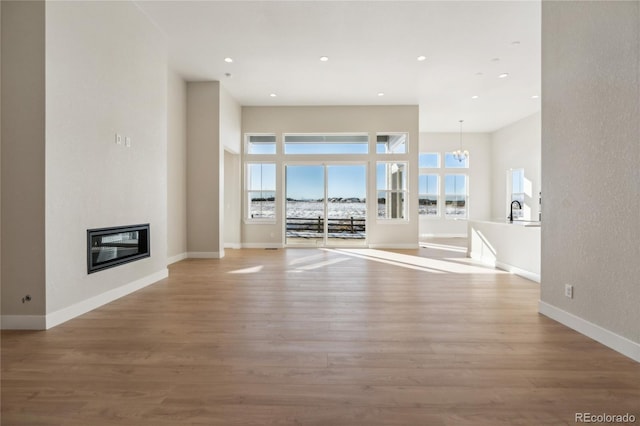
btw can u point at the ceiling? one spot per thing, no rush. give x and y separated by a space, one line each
372 48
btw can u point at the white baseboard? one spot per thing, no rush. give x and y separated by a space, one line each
505 267
23 322
235 246
45 322
203 255
176 258
394 246
262 245
521 272
608 338
70 312
443 235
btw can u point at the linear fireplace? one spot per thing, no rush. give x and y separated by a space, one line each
109 247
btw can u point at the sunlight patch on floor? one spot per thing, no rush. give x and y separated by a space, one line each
416 262
307 259
318 265
360 253
251 270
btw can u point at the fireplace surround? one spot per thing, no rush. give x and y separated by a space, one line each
109 247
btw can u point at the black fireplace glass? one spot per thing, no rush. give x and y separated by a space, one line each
109 247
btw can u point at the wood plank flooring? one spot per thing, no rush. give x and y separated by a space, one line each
317 337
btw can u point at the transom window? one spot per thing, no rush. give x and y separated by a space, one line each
326 144
391 143
450 162
261 144
429 160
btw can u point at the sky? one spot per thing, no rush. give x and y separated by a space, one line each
307 182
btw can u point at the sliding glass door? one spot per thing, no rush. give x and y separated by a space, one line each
326 205
305 205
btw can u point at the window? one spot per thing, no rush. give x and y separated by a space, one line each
261 144
391 143
517 192
450 162
428 193
261 191
391 186
429 160
455 195
326 144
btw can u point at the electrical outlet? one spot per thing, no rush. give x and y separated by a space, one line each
118 139
568 291
127 142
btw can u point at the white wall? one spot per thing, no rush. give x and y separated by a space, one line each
590 173
213 125
231 140
0 162
512 247
230 122
23 160
479 172
101 82
176 167
516 146
340 119
232 200
205 171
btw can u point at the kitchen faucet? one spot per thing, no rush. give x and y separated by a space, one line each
511 213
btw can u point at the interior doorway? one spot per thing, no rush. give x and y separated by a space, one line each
325 205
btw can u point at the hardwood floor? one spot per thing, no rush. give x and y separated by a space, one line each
317 337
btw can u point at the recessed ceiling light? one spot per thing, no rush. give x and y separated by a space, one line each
324 58
475 97
535 96
380 94
228 60
479 74
421 58
503 75
515 43
273 95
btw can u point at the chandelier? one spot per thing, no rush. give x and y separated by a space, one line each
459 154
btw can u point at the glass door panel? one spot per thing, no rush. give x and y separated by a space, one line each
346 205
305 205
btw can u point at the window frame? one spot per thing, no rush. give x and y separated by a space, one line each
450 153
438 161
248 190
365 144
428 194
518 214
406 143
390 192
466 197
247 143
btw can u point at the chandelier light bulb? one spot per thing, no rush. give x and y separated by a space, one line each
460 154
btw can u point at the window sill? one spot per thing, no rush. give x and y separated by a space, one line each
392 221
259 222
